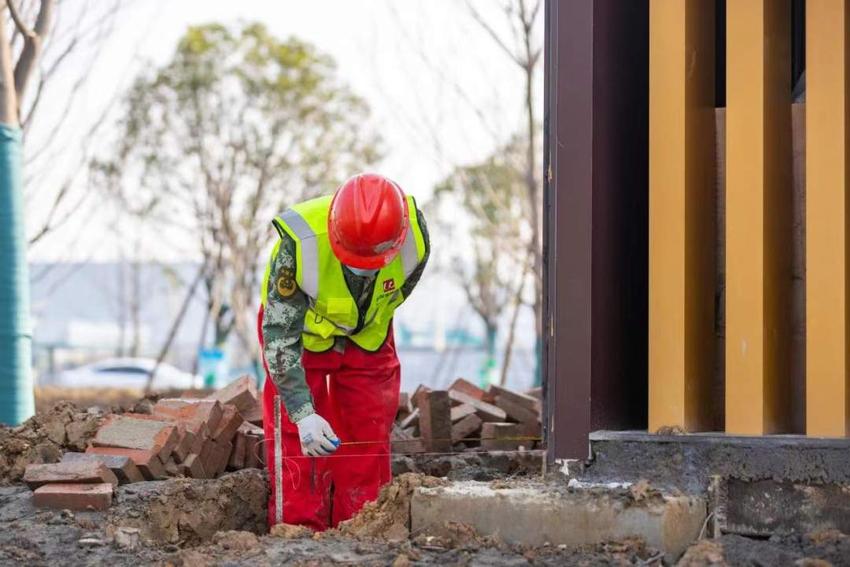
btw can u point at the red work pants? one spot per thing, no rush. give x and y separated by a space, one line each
357 392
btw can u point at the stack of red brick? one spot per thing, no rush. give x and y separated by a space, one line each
198 438
466 417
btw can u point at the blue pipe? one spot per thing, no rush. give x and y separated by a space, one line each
16 387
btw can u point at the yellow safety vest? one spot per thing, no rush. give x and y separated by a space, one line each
332 310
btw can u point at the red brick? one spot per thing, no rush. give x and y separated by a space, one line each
408 446
487 412
192 467
253 415
466 427
420 391
78 497
251 429
147 461
222 456
401 441
461 411
411 420
237 456
124 469
241 393
505 436
134 433
516 411
194 413
253 449
184 444
468 388
435 423
88 472
229 424
528 402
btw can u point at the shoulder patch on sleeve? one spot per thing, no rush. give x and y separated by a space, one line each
285 283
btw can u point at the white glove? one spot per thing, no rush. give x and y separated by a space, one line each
317 437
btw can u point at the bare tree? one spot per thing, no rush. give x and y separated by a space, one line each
525 50
214 144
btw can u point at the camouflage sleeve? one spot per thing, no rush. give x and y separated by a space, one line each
413 279
283 322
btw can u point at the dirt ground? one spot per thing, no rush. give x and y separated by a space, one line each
190 522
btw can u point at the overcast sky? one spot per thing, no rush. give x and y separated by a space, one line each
442 93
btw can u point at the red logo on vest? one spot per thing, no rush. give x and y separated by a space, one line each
389 285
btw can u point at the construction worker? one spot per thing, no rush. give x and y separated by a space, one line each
341 267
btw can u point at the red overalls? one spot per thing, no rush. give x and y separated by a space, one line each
357 392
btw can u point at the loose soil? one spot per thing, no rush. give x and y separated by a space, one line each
44 437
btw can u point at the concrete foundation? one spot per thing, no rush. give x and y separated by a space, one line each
536 513
766 508
688 462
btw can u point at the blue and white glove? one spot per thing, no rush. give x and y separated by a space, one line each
317 437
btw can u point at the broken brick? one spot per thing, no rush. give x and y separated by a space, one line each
504 436
192 467
147 461
230 422
465 427
88 472
241 393
516 411
78 497
435 424
410 420
486 411
468 388
254 415
194 413
171 467
237 456
124 469
420 391
186 439
461 411
528 402
251 429
253 449
134 433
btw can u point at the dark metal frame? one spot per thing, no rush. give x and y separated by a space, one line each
596 220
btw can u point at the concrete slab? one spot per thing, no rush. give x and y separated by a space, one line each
536 513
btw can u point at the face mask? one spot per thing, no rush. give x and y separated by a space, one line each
361 272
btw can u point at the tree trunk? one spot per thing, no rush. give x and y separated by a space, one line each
16 385
8 94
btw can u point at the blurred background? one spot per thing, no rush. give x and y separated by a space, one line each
161 137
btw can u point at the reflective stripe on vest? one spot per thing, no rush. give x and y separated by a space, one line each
333 311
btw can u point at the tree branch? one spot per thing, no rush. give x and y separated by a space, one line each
32 48
493 35
19 23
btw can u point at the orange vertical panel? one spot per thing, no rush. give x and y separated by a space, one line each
826 218
682 223
758 216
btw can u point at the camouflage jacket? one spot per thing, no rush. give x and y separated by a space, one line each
283 322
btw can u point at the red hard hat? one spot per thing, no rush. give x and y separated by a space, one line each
368 221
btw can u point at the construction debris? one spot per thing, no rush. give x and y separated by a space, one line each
43 438
477 419
200 438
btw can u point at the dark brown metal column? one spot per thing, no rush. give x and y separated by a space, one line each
596 201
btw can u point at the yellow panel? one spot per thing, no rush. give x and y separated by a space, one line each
826 218
758 216
681 214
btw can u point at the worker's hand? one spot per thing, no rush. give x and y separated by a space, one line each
317 437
